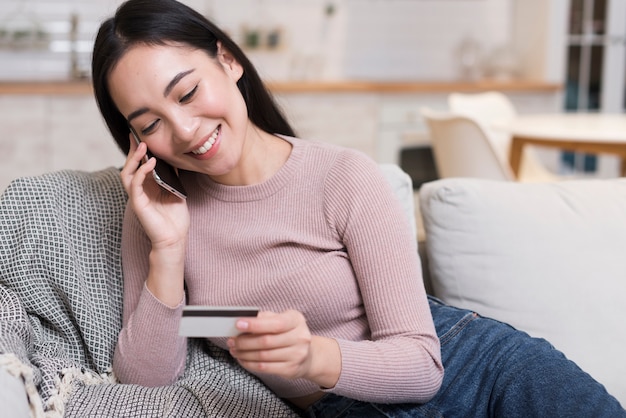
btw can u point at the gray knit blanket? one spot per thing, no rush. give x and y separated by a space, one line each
61 311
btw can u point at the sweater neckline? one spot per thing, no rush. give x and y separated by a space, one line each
257 191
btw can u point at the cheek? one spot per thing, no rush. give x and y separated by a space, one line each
227 103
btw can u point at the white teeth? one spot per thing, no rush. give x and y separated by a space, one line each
208 144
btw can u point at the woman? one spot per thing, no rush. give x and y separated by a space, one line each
309 232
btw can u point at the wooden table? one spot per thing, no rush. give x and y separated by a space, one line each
593 133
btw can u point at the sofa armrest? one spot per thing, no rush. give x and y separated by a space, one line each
13 396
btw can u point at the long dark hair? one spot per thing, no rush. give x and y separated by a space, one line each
158 22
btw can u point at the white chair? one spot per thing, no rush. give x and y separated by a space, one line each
491 108
462 148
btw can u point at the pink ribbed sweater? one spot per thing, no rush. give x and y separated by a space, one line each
326 236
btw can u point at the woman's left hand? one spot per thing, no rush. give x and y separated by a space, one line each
281 344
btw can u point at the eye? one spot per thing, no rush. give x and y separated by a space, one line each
150 128
187 97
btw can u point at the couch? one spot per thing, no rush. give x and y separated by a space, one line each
546 258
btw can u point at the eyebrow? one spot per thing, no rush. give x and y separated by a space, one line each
175 80
137 113
168 89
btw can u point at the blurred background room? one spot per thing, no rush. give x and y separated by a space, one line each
352 72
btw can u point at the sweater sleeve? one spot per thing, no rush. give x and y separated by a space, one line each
402 361
149 351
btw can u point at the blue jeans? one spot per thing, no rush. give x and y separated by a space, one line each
491 370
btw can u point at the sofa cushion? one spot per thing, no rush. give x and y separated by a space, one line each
548 258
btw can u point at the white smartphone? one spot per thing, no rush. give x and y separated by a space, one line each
213 321
164 174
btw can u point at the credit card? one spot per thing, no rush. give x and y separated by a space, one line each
213 321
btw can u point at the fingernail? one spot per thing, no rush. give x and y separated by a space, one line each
243 325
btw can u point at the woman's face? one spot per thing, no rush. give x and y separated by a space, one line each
184 105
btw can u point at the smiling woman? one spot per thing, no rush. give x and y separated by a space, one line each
309 232
199 103
184 27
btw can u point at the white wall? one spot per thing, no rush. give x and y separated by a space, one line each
405 39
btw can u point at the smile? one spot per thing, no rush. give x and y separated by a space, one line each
204 148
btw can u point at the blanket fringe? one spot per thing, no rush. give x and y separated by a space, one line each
65 385
12 364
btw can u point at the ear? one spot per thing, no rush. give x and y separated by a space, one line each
228 62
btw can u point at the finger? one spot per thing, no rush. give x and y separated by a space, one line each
139 178
133 162
285 362
265 367
255 342
270 323
139 154
133 159
132 153
283 355
294 337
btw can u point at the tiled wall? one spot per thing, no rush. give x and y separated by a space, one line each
375 39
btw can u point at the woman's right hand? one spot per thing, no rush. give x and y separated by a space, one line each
165 220
164 216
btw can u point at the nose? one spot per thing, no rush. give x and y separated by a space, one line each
184 127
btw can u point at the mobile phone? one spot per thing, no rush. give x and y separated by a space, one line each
213 321
164 174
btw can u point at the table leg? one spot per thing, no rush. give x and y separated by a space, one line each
515 155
